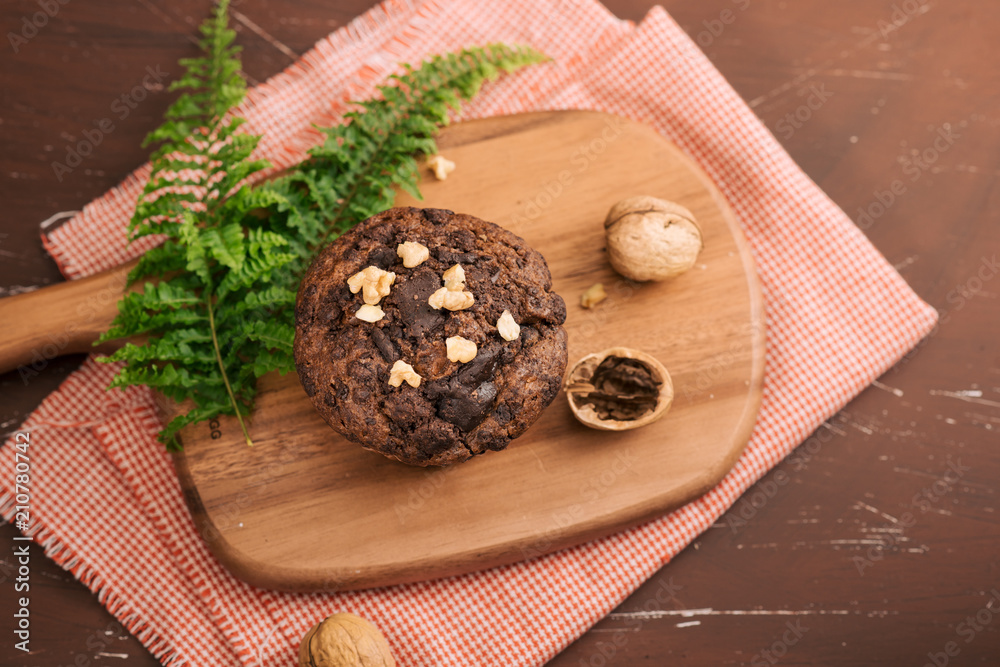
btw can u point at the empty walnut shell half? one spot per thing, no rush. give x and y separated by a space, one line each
618 389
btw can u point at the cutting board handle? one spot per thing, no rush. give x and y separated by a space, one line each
61 319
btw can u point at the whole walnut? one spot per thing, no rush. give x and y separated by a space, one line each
344 640
651 239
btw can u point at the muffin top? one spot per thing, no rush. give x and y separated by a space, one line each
423 362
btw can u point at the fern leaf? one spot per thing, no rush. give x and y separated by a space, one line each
217 305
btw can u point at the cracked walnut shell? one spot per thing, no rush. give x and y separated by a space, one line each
618 389
651 239
345 640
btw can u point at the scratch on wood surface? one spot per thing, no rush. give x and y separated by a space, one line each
838 431
709 611
123 656
921 473
890 530
885 387
910 471
538 458
263 34
14 290
163 16
868 74
783 88
826 67
688 624
963 169
969 395
863 429
906 262
600 630
875 510
975 418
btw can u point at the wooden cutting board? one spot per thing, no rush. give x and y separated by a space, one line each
306 510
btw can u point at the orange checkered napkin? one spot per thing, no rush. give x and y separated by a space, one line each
107 505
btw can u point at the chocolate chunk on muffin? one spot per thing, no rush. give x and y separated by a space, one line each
429 336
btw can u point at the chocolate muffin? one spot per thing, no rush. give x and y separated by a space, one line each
421 361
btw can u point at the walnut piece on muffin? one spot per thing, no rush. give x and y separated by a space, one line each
458 409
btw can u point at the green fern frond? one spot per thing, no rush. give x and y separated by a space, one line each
221 310
353 174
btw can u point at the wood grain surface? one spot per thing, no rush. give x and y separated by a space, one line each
65 318
559 484
857 91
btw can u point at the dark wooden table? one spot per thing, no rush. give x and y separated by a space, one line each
878 541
